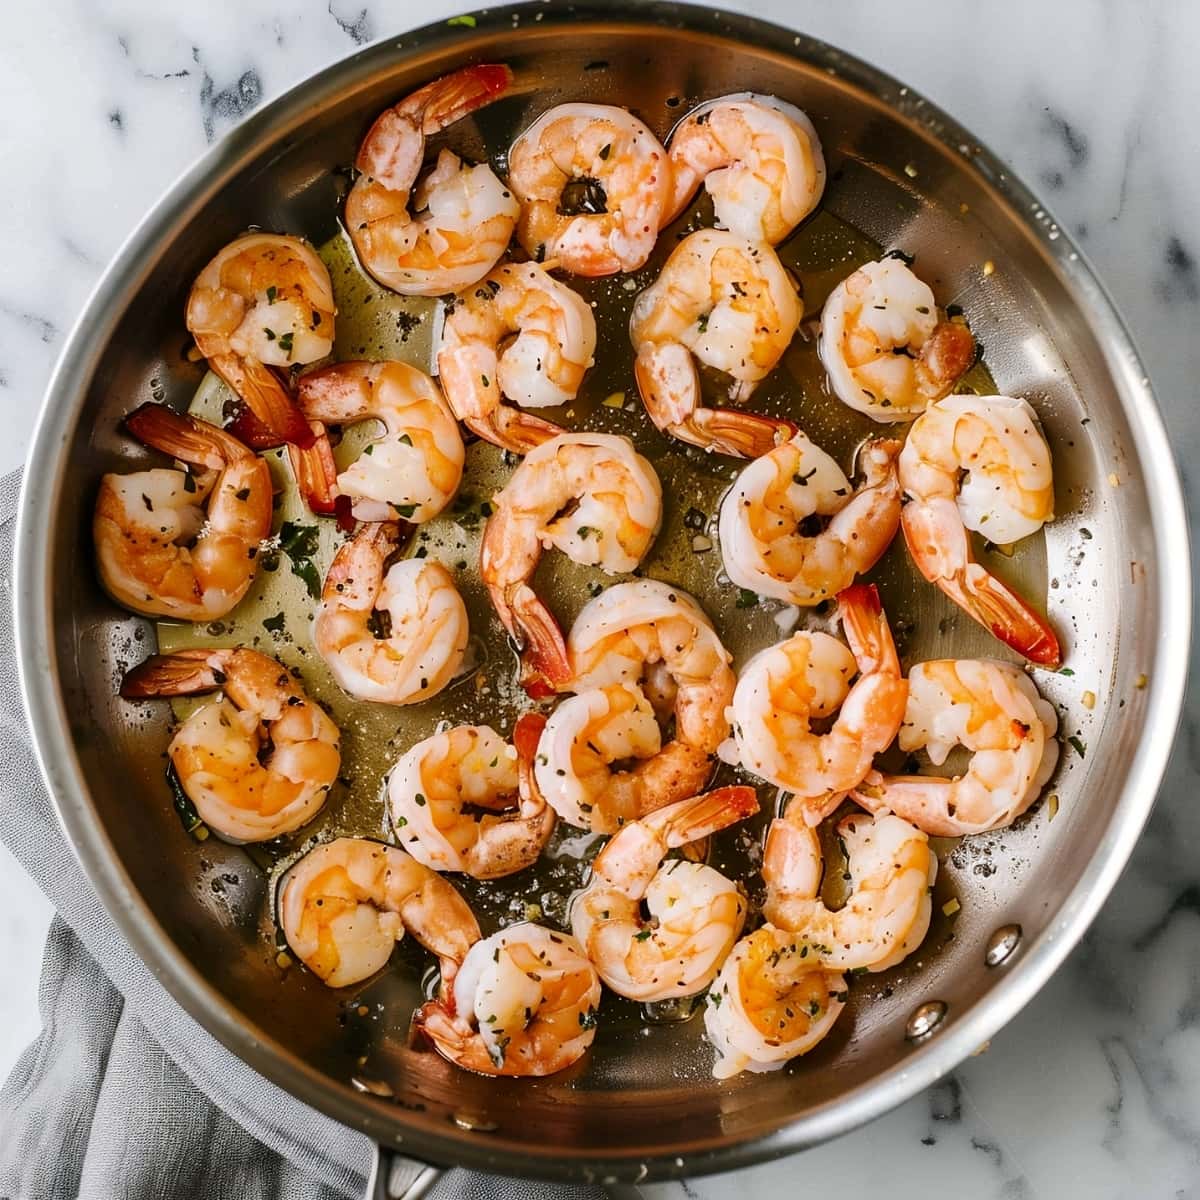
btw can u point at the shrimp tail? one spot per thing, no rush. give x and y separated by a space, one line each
183 436
527 734
699 816
184 673
669 385
452 97
923 800
545 667
276 417
316 475
741 434
939 546
513 429
867 631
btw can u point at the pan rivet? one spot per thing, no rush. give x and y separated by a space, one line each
925 1019
473 1122
1001 944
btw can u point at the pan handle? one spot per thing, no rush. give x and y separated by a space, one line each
395 1176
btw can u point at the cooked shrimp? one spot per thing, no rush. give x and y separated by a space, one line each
770 1002
586 734
655 931
785 686
468 764
524 1003
544 364
424 635
259 760
413 471
594 186
730 304
994 710
593 497
981 463
346 903
766 527
759 159
649 633
263 305
174 544
891 871
885 349
449 229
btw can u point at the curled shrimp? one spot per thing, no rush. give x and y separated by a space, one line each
263 305
542 365
524 1002
259 760
346 903
770 527
784 687
176 544
759 159
590 732
979 463
890 870
468 765
647 633
886 351
593 497
594 185
448 230
655 931
993 710
770 1002
729 304
414 469
393 634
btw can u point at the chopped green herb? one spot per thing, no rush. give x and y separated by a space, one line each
271 294
1065 671
405 440
183 804
274 624
406 510
466 20
1077 745
285 342
299 543
746 598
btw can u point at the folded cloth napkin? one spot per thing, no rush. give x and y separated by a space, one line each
123 1094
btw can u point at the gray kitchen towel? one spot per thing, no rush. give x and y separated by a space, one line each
123 1094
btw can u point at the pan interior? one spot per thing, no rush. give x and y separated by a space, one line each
645 1088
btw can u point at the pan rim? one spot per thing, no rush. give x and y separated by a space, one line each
46 710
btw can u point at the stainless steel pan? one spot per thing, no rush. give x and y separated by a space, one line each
903 172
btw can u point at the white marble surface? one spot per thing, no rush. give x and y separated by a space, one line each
1095 1089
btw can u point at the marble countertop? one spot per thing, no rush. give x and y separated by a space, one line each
1094 1090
